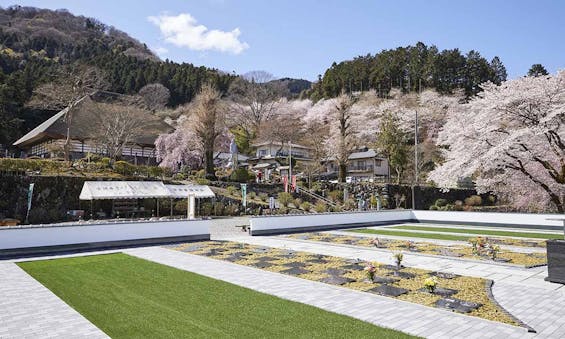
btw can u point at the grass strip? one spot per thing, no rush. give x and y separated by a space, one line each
481 232
130 297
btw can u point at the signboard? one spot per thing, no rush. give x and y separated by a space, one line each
244 195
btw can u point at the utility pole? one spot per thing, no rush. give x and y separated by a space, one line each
290 161
415 162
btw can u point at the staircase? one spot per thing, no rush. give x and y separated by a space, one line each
315 196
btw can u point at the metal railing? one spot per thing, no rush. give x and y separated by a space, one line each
315 196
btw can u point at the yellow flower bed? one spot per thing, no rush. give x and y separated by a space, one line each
469 288
465 251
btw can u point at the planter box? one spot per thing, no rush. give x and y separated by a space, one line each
556 261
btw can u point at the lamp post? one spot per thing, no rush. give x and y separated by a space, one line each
415 162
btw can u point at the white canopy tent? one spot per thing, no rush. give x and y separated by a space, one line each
109 190
106 190
182 191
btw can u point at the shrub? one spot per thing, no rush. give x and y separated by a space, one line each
263 196
284 198
283 210
320 207
240 175
201 174
306 206
458 208
104 162
155 171
434 208
124 168
251 195
336 209
231 190
336 195
206 208
297 202
179 176
202 181
350 204
441 202
181 206
474 200
219 208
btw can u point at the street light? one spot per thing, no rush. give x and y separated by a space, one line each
415 182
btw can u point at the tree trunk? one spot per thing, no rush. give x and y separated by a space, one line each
342 172
209 165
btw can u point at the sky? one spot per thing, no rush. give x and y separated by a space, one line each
301 39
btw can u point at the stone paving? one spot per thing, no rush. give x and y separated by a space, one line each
29 310
408 317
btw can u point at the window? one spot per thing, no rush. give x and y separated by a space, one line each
378 162
262 152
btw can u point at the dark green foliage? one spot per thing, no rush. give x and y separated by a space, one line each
410 68
240 175
537 70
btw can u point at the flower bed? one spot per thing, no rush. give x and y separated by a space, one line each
398 282
456 251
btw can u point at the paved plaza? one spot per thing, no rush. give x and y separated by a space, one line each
27 309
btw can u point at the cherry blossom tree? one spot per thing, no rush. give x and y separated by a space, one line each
511 138
182 147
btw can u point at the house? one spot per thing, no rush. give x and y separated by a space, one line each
271 155
47 139
365 164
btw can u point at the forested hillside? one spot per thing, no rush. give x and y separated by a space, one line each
38 45
411 68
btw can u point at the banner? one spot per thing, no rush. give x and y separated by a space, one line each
293 185
285 182
29 198
244 195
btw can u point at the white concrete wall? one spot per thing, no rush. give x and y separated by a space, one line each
273 223
489 217
11 238
325 219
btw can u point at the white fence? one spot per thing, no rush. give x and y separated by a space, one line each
290 223
490 218
12 238
282 223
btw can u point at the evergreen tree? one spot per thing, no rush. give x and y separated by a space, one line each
537 70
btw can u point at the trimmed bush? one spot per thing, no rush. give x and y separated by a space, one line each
474 200
434 208
263 197
124 168
240 175
441 202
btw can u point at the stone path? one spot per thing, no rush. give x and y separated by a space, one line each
408 317
29 310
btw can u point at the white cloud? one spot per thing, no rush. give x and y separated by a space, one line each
182 31
160 50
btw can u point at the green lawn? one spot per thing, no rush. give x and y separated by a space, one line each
481 232
413 234
129 297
